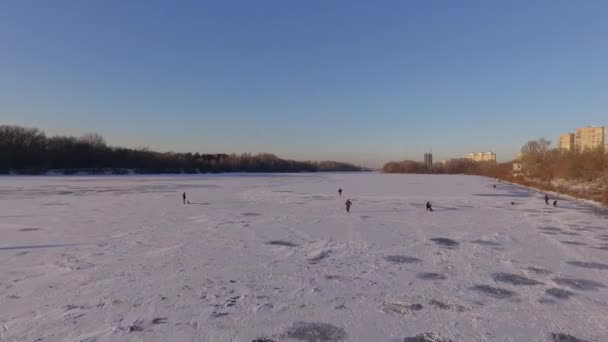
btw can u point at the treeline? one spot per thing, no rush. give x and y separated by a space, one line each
542 162
30 151
453 166
581 174
330 165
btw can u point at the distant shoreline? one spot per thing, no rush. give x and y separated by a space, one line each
29 151
149 172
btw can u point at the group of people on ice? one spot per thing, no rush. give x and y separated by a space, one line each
429 206
547 201
349 203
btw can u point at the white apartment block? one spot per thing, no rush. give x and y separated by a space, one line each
482 156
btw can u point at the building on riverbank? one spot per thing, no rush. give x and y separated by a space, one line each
590 138
584 139
428 160
517 168
565 142
482 156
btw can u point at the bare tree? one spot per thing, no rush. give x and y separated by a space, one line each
534 157
536 147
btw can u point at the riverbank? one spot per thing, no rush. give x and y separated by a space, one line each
594 191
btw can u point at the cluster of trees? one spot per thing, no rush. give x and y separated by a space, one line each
542 162
580 173
405 166
538 159
452 166
330 165
29 150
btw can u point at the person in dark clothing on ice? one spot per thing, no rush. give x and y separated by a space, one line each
547 199
340 192
184 198
555 203
429 206
348 204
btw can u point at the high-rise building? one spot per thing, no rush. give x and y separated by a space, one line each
482 156
428 160
565 142
590 138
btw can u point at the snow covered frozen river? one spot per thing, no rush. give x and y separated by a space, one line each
277 257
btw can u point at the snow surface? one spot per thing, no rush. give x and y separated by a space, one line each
277 257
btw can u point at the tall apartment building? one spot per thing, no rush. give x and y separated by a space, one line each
483 156
589 138
565 142
428 160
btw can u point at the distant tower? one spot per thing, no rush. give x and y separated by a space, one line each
428 159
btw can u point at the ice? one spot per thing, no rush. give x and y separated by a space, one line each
277 258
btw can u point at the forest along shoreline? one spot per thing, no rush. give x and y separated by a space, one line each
28 151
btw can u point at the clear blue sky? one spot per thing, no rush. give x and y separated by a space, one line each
360 81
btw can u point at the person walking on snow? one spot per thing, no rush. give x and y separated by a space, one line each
555 203
348 204
429 206
340 192
547 199
184 198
